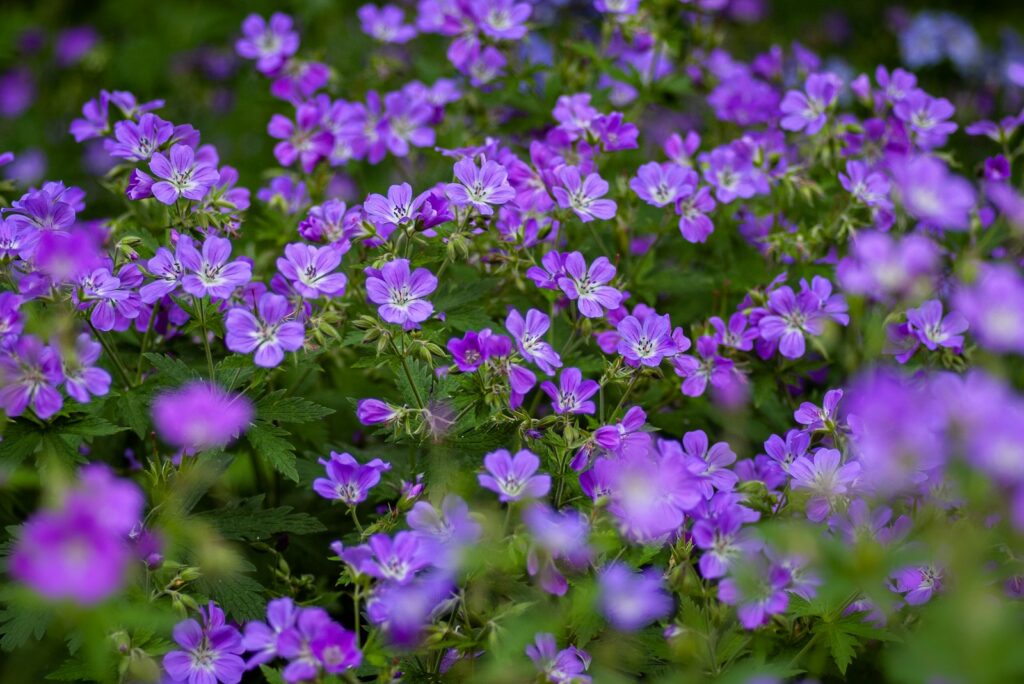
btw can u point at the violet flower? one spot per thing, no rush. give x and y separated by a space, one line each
583 196
934 331
30 373
572 394
513 477
645 342
558 667
400 294
181 174
808 112
200 416
828 480
210 653
264 330
210 273
347 480
82 378
632 600
480 187
587 286
528 334
310 270
270 43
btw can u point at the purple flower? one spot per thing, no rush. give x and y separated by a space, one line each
528 334
200 416
632 600
722 541
692 208
408 117
210 653
452 528
994 307
927 117
707 366
866 186
374 411
82 378
791 317
615 133
393 560
264 331
730 173
662 184
736 334
917 584
111 299
95 121
404 610
261 638
480 187
167 269
503 19
551 269
649 492
710 466
209 273
31 373
79 551
934 331
512 477
882 267
827 479
269 43
398 208
11 320
316 642
933 195
386 24
558 667
758 592
472 350
587 286
808 112
784 452
574 114
301 140
583 195
573 392
183 175
138 141
400 293
646 342
556 536
627 437
310 270
824 418
347 480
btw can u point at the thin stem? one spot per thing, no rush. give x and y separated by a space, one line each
625 395
356 595
802 651
122 371
408 375
200 306
146 339
355 519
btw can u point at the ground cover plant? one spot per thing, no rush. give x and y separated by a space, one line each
510 341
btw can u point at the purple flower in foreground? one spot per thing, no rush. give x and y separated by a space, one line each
138 141
934 331
573 392
827 479
264 330
645 342
82 378
994 307
583 196
182 175
632 600
558 667
480 187
400 294
808 112
347 480
200 415
261 638
269 43
210 653
932 194
512 477
30 373
587 286
310 269
209 273
528 334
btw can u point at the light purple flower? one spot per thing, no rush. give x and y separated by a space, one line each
825 417
528 334
632 600
210 273
82 378
200 416
933 195
791 318
645 342
709 465
707 366
182 175
583 196
808 112
587 286
302 140
138 141
400 294
269 43
261 638
265 330
558 667
828 480
758 592
917 584
374 411
573 392
934 331
994 307
386 24
513 477
662 184
927 117
866 186
310 270
480 187
397 209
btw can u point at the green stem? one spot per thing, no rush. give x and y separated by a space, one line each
200 306
355 519
122 371
802 651
625 395
408 375
146 340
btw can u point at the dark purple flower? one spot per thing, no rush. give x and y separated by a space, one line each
108 298
374 411
210 653
347 480
917 584
528 334
559 667
583 196
261 638
301 140
265 330
513 477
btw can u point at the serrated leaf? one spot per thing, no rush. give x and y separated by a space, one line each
91 426
21 624
276 406
60 445
841 645
272 676
271 445
239 595
71 670
171 371
249 521
19 442
131 408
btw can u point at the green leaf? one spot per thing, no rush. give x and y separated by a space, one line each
91 426
171 371
841 644
271 445
21 624
71 670
249 521
272 676
239 595
19 442
276 406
